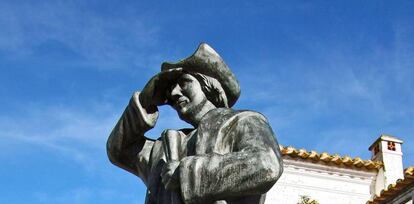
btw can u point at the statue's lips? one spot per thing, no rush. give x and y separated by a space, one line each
181 102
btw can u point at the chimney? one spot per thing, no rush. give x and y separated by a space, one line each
387 149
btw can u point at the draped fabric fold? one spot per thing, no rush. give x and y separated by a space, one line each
231 157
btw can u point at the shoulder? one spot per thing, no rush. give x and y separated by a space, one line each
226 114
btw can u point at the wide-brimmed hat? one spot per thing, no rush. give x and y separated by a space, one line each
207 61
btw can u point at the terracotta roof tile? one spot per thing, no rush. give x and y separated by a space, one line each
394 189
328 158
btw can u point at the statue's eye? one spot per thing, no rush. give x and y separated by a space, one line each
184 83
169 90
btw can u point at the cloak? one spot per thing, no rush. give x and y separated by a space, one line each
232 157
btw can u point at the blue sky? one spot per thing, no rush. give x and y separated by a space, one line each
329 75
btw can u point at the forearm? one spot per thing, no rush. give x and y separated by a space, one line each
127 138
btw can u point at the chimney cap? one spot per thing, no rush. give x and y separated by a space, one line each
385 137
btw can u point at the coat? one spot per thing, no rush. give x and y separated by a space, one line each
231 157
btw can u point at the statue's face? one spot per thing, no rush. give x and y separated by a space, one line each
186 97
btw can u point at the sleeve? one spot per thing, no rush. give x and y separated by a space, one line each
127 147
251 169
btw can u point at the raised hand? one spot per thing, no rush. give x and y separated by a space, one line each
154 92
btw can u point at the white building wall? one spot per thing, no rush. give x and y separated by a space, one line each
326 184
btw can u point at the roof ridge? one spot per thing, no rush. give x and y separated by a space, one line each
335 159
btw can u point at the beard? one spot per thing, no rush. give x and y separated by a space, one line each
191 112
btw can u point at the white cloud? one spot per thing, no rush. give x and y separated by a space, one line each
76 135
93 38
79 135
336 101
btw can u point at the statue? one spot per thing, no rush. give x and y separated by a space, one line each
230 156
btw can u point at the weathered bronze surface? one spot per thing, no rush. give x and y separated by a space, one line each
230 156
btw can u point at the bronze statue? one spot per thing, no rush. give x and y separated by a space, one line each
230 156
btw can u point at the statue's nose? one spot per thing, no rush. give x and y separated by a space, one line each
176 91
